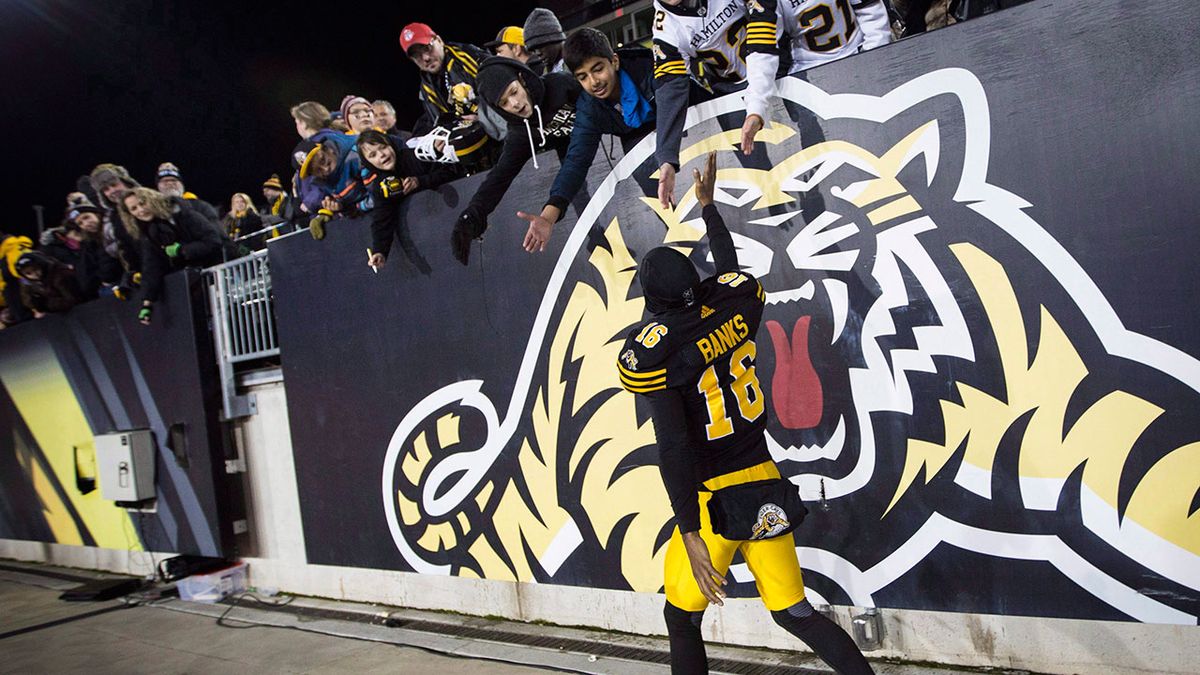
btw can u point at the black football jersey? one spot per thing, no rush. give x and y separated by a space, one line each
706 353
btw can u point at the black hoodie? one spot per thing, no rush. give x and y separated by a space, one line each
549 126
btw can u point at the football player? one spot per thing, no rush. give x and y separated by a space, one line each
693 361
692 38
818 31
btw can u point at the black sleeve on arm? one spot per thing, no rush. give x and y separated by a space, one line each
155 266
429 175
674 458
720 242
513 157
438 175
385 218
205 238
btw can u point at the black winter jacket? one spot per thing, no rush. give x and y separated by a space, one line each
201 245
386 215
594 118
549 126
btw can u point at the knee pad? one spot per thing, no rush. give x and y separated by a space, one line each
681 621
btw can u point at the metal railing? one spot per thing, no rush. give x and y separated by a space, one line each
243 323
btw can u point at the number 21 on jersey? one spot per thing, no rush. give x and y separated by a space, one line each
746 392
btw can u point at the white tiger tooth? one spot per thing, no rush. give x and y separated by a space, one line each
831 449
839 303
805 292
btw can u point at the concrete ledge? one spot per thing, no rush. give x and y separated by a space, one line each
970 640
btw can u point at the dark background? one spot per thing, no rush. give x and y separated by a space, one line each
206 85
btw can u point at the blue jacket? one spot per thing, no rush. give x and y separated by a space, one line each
343 184
594 118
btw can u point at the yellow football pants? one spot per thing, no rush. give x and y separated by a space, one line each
773 562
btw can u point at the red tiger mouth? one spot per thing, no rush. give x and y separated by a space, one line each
796 391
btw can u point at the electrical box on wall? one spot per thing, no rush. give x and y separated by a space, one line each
125 465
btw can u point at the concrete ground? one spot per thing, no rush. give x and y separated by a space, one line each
150 639
150 634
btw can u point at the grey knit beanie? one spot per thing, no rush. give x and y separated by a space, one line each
542 28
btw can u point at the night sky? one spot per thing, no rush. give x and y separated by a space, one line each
205 85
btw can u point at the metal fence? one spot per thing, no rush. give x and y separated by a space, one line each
243 322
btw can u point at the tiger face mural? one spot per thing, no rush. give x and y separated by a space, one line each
947 386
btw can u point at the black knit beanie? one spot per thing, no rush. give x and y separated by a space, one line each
668 279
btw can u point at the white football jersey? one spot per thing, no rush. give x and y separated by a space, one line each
706 40
817 31
820 30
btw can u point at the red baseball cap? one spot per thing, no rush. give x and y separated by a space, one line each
416 34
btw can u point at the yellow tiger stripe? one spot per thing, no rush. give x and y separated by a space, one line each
760 41
759 24
625 372
672 71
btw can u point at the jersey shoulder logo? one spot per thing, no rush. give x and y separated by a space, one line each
630 359
706 311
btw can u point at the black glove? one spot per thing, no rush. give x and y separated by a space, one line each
468 227
391 187
316 226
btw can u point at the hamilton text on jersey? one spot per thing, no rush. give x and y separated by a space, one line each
714 25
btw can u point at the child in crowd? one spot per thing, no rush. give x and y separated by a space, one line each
392 173
327 176
540 112
617 98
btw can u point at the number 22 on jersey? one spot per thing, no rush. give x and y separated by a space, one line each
746 392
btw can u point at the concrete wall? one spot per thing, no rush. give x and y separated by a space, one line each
1038 644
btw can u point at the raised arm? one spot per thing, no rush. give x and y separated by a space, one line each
671 91
761 52
720 242
873 19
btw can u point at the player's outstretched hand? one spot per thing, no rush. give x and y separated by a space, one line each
706 183
750 129
708 578
666 185
539 231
